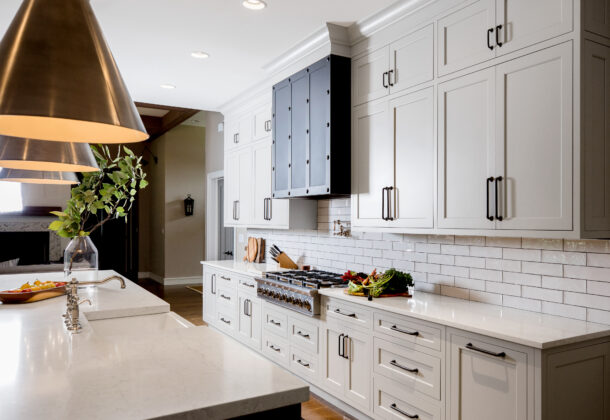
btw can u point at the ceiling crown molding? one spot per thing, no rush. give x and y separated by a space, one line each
331 36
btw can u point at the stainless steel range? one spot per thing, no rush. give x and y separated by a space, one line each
297 290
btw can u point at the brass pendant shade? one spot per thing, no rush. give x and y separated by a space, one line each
40 155
59 81
38 177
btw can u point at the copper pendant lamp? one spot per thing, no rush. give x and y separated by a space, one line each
16 153
59 81
38 177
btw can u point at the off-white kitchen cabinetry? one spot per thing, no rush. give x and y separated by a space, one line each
400 191
487 29
505 145
405 63
248 198
596 135
347 362
239 131
489 379
387 362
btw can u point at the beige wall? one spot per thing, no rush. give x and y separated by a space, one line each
172 244
214 143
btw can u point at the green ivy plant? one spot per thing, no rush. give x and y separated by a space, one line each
106 194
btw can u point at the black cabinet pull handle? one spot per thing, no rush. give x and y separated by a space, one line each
272 347
489 31
339 344
303 335
389 200
498 42
390 73
345 355
398 365
225 278
498 179
225 321
385 85
271 321
489 180
225 297
404 413
338 311
383 197
300 362
395 328
471 346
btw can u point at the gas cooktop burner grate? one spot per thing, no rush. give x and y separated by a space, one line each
314 279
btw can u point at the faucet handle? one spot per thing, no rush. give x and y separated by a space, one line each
85 300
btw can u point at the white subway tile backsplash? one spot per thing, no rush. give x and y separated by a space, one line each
569 278
522 303
559 257
455 249
521 278
542 268
522 254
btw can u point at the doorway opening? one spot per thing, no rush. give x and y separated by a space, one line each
219 239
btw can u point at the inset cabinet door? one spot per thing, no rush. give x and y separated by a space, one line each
335 367
262 122
232 187
372 163
526 22
249 328
370 76
209 296
466 37
244 198
358 381
412 60
466 129
266 211
413 128
534 140
489 380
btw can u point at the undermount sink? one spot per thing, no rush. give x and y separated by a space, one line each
138 324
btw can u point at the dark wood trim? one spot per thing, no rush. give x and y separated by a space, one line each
157 126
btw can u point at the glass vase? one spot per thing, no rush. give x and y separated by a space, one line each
81 260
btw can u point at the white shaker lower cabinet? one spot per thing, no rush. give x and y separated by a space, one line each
489 379
209 295
249 318
347 364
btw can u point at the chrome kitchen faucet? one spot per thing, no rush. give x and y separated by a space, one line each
72 314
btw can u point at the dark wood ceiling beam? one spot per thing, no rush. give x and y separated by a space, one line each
157 126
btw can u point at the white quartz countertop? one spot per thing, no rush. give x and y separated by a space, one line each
133 360
240 267
528 328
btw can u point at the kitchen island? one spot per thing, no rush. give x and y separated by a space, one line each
133 359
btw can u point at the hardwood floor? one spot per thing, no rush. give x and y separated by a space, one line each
188 304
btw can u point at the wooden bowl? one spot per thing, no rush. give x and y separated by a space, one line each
28 297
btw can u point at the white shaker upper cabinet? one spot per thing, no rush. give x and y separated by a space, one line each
370 78
534 141
466 37
372 164
521 23
466 152
265 210
231 189
596 100
413 128
412 60
262 122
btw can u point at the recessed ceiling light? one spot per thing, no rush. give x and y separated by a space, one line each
167 86
199 54
254 4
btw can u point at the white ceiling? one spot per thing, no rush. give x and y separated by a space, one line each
152 41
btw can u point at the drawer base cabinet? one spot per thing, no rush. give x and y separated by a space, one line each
383 365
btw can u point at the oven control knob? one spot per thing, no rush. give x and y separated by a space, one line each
307 305
298 302
289 299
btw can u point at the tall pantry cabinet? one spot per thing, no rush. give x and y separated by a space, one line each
510 126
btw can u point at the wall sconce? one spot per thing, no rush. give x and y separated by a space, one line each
189 204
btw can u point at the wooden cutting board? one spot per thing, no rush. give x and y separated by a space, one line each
252 251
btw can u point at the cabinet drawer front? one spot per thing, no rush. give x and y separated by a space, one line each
246 284
275 321
417 371
350 314
408 330
226 298
303 334
276 348
483 369
304 364
226 279
395 401
226 321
